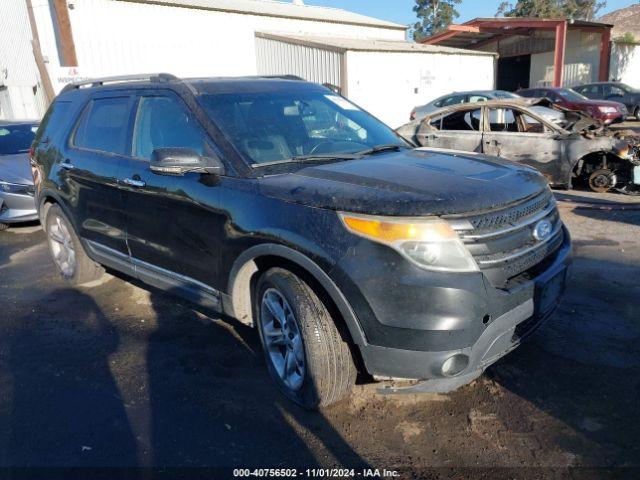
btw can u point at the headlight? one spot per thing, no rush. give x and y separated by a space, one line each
608 109
430 243
17 188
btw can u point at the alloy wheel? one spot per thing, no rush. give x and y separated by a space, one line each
282 339
64 254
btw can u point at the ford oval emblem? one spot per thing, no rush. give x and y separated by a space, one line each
542 230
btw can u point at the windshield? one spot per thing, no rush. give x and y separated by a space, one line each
627 88
16 138
571 95
268 127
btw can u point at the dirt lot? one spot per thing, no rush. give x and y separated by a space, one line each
118 374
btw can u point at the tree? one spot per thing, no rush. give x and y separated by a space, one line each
576 9
433 16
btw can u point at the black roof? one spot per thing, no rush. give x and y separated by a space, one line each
196 85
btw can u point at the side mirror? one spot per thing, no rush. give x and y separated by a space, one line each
178 161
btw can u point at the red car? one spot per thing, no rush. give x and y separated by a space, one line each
604 110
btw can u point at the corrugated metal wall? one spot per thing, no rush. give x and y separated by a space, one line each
23 94
317 65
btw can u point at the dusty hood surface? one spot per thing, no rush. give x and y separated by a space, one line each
16 169
409 182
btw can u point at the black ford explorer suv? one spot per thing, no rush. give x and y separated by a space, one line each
288 207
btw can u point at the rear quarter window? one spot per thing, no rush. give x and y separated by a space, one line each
54 121
103 125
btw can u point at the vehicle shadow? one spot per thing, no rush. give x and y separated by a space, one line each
213 404
583 366
64 407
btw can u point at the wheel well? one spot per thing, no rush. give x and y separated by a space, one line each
46 204
596 160
244 289
244 286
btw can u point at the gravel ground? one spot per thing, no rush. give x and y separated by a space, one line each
120 375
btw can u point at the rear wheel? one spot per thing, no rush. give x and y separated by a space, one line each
637 113
3 226
305 354
67 252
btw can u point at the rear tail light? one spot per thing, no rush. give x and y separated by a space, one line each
413 115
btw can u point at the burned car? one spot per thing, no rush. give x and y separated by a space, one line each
579 149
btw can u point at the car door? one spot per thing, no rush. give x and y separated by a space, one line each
172 230
458 130
520 137
618 94
89 171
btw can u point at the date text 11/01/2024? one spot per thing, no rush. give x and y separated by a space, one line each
316 473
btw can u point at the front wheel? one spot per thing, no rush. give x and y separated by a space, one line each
67 252
602 180
305 354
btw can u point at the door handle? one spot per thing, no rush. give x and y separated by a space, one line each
495 143
67 165
134 182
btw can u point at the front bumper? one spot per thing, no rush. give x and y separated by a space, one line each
423 324
611 118
17 208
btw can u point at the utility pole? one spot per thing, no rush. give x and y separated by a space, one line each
45 80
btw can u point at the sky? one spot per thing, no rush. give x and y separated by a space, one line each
400 11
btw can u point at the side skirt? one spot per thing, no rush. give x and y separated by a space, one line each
166 280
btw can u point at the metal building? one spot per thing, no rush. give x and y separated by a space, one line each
536 52
385 77
45 44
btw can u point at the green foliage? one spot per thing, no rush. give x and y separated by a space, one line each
433 16
575 9
627 37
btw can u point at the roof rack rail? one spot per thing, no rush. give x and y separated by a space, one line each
97 82
284 77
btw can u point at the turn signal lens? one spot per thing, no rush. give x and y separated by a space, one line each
430 243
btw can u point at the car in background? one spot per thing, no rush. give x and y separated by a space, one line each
456 98
16 182
582 151
616 91
605 111
480 96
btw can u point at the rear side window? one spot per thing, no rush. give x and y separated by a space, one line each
54 121
103 125
454 100
463 120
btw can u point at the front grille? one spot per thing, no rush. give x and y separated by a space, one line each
502 241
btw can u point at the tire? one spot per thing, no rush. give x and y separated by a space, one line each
328 372
67 253
3 226
636 114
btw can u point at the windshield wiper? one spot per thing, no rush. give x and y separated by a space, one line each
392 147
309 158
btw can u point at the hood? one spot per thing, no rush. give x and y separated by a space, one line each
16 169
405 183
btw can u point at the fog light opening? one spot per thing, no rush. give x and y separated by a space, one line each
486 319
454 365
